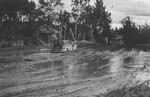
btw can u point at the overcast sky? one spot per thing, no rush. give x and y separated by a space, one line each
138 10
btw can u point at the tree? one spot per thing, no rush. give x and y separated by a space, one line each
130 32
145 34
95 17
50 9
102 19
79 5
11 9
11 14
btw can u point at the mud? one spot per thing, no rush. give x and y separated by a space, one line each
86 72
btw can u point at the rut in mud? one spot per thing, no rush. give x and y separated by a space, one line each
88 71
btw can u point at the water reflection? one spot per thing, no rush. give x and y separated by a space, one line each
117 63
94 68
97 67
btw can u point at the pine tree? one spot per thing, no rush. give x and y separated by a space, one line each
102 18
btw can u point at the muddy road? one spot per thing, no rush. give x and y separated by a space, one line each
87 72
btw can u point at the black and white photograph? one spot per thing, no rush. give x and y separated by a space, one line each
74 48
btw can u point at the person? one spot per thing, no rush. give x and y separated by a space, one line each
57 47
54 46
60 45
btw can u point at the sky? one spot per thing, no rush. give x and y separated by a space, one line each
138 10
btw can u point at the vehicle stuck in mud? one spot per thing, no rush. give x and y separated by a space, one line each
69 45
64 46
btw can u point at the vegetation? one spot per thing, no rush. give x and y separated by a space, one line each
20 20
130 32
17 21
133 34
94 17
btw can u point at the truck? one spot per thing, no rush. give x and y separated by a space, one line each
64 46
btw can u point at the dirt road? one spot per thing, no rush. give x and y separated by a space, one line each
87 72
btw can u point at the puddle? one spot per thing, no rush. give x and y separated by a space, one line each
97 67
116 64
128 60
93 68
100 66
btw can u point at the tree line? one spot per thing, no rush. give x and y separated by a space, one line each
132 33
21 19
